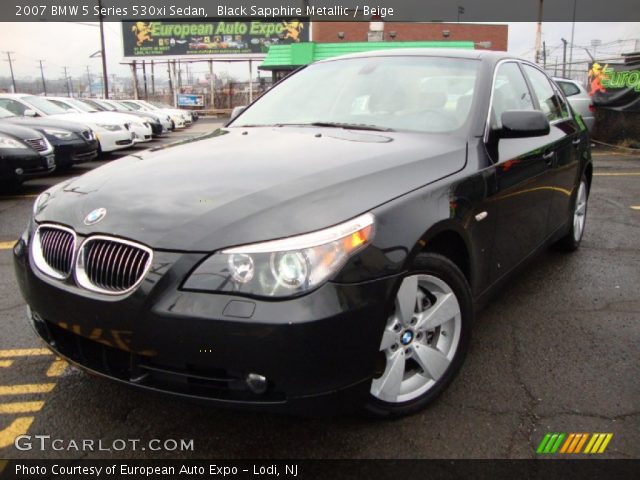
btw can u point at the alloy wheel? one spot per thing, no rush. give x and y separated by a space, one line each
580 211
420 339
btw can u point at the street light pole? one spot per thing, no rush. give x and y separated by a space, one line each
573 30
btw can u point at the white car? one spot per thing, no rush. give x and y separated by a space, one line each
115 106
111 135
142 130
178 117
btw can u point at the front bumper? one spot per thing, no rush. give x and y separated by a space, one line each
20 165
75 152
318 352
110 141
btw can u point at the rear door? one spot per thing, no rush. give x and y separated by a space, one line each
563 140
523 168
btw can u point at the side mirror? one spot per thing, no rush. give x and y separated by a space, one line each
237 111
30 113
524 123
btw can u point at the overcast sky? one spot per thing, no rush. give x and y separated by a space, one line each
71 44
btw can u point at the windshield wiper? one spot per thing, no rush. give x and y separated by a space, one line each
351 126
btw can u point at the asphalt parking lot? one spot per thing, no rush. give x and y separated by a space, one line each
556 351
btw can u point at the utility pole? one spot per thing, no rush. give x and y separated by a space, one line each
144 79
539 33
573 29
13 78
153 80
44 85
170 77
66 81
105 77
89 79
212 85
134 72
544 55
564 58
460 12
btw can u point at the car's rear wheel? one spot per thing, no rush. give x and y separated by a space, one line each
572 240
425 339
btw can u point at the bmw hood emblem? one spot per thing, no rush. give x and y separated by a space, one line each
94 216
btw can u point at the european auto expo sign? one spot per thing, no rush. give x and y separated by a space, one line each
615 86
143 39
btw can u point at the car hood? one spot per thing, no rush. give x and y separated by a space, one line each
18 131
45 122
242 185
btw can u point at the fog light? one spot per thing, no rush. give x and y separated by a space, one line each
19 171
256 383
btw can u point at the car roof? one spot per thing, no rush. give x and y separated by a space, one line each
489 55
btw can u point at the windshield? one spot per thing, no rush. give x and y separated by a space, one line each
5 113
132 106
424 94
95 104
44 105
148 105
160 105
78 105
121 106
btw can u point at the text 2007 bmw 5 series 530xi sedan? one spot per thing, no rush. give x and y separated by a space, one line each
327 249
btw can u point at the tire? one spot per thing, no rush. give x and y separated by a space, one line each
426 344
577 220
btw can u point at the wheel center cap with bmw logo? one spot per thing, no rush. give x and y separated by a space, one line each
94 216
407 337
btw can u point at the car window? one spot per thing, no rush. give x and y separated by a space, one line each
549 100
44 105
62 105
6 113
14 107
132 105
510 92
568 88
409 93
562 102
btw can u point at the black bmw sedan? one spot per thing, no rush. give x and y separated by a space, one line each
24 153
73 143
327 249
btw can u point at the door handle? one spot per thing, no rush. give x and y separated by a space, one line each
548 156
576 141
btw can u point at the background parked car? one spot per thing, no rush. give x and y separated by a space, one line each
141 129
157 128
579 99
24 152
178 117
72 142
111 135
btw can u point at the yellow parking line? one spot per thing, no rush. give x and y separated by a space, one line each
5 363
24 352
617 174
21 407
19 426
26 388
7 245
57 368
635 207
17 197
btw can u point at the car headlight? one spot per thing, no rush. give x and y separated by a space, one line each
8 142
109 127
286 267
61 134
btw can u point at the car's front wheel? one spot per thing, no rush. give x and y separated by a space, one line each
425 339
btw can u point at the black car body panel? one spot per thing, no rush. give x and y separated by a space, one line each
82 147
27 161
488 203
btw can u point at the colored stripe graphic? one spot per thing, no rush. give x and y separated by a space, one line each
572 443
550 443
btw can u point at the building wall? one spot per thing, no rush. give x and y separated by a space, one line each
357 32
